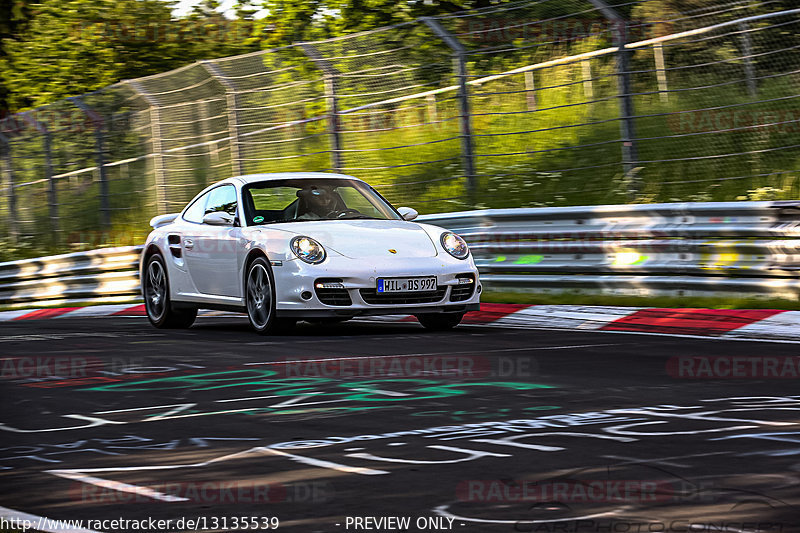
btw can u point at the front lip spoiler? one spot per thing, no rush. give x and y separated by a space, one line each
350 313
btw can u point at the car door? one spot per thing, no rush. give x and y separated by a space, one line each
211 251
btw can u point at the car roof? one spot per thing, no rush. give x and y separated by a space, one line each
254 178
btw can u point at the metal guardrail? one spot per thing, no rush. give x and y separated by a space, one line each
682 249
106 275
679 249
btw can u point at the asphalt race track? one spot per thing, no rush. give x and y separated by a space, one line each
340 427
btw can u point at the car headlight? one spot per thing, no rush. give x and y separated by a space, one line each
308 250
455 245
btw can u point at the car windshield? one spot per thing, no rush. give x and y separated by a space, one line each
297 200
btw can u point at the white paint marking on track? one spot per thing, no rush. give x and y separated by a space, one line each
95 311
123 487
245 399
292 401
11 315
317 403
42 522
383 392
431 354
326 464
80 474
177 406
661 460
723 337
442 510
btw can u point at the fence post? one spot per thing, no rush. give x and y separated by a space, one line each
661 72
52 196
588 86
231 103
97 124
460 58
530 90
433 113
11 194
630 156
749 69
330 74
158 150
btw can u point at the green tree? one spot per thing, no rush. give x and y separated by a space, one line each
14 14
69 47
290 21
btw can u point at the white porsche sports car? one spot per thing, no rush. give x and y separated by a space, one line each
303 246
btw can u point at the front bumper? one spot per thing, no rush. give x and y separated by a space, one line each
298 297
350 312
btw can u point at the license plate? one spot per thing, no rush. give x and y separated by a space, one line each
391 285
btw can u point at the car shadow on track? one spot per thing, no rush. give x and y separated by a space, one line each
306 329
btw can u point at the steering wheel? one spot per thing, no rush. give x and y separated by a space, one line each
342 213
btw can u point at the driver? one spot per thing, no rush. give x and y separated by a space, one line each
319 202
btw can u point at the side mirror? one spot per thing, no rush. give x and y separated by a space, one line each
407 213
218 218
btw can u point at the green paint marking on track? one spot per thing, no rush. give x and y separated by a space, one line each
529 260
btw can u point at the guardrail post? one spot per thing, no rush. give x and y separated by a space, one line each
11 194
52 196
231 103
97 124
158 149
630 156
460 59
330 74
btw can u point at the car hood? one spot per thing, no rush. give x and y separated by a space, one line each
369 238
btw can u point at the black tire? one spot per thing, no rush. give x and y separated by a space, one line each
155 288
259 290
440 321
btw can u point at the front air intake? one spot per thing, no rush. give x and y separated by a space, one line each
465 288
331 291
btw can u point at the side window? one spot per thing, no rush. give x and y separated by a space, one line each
221 199
273 198
355 200
197 209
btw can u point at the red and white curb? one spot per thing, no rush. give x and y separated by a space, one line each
745 324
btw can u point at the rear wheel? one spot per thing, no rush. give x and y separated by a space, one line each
260 298
155 288
440 321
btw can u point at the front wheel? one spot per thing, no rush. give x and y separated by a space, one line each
440 321
155 289
260 298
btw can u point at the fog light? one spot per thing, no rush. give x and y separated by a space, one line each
479 289
329 285
305 295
